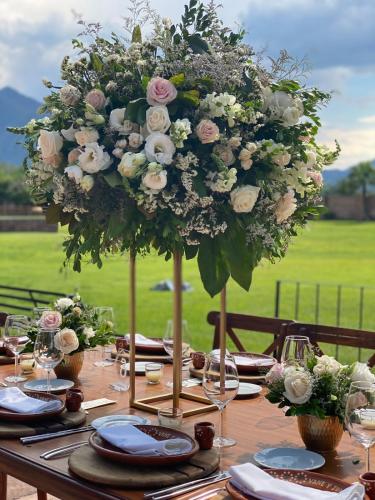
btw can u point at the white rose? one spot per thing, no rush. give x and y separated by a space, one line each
66 340
291 116
69 95
251 147
87 183
362 373
127 167
281 159
286 206
63 303
118 123
298 385
155 180
157 119
94 158
135 140
86 135
74 173
89 333
69 133
244 198
235 142
50 144
159 148
225 153
326 364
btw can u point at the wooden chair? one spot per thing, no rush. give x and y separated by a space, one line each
251 324
3 317
330 335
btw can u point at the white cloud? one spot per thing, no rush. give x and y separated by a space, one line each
367 120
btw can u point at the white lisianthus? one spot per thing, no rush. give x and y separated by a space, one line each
291 116
135 140
159 148
282 106
129 164
86 135
94 158
361 373
69 95
225 153
50 144
282 158
155 178
69 133
118 123
285 206
157 119
74 172
222 182
87 183
89 333
66 340
63 303
180 130
298 385
326 364
244 198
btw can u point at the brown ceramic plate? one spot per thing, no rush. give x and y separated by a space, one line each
29 417
254 378
106 450
304 478
249 362
151 349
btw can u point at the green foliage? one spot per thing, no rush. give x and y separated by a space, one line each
12 186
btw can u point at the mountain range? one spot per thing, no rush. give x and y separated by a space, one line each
17 109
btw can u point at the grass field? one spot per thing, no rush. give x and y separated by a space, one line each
327 252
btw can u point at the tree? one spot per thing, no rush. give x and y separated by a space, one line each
12 185
359 180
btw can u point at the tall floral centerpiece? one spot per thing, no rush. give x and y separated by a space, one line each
317 395
79 328
184 143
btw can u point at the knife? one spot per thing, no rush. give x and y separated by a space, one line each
52 435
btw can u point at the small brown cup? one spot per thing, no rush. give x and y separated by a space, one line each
204 434
74 398
368 481
122 343
199 359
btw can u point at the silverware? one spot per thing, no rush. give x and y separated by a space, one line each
3 384
207 494
181 489
62 451
52 435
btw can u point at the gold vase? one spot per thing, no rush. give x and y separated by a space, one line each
70 366
320 434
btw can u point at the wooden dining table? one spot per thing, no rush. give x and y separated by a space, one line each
254 423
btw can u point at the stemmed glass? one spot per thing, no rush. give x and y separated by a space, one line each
168 346
220 384
296 350
38 311
16 326
360 415
46 354
104 315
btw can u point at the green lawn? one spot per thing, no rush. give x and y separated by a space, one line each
327 251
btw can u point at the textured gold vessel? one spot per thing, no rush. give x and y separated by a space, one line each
70 366
320 434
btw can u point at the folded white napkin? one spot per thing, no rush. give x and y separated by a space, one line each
134 441
12 398
256 482
142 340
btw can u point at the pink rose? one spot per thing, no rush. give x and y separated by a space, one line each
316 177
160 91
96 99
73 155
286 206
207 131
50 320
275 374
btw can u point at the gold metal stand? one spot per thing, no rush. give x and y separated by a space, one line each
145 404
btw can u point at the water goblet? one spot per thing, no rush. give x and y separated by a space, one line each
296 350
168 343
16 326
46 354
105 315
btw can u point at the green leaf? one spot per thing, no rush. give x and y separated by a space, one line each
239 256
114 179
96 62
191 251
145 80
177 80
212 266
197 44
136 111
137 34
189 97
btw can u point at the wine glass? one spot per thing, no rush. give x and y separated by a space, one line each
16 326
220 384
46 354
360 415
38 311
105 315
168 342
296 350
121 384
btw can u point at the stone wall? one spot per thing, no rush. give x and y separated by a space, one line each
348 207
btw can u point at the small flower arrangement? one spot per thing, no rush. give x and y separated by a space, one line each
319 389
78 324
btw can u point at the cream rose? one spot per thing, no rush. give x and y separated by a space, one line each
96 99
286 206
207 131
326 364
159 148
157 119
66 340
50 144
225 153
50 320
74 172
244 198
281 159
135 140
63 303
69 95
155 180
276 373
87 183
160 91
362 373
74 155
298 385
86 135
118 123
94 158
127 166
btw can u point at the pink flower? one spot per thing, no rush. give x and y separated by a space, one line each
207 131
160 91
96 99
74 155
316 177
50 319
286 206
275 374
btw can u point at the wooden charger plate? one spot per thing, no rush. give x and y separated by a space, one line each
29 417
252 363
304 478
106 450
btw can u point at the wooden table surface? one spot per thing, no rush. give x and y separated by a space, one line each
254 423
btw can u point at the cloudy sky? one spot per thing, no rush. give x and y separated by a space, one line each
337 36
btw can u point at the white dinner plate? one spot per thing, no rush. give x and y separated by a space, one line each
119 419
57 385
289 458
246 390
140 367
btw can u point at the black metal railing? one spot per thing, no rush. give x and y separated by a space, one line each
25 299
